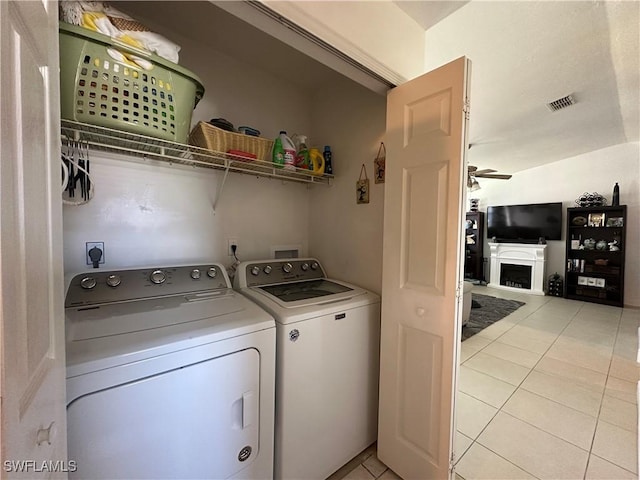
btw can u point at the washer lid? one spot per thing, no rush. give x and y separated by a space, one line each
295 291
85 323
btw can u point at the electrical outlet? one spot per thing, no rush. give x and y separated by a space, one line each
90 245
231 242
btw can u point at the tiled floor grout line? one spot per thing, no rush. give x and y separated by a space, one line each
574 320
604 391
498 410
475 440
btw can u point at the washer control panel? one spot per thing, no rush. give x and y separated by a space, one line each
96 287
266 272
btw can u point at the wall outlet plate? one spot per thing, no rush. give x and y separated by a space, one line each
90 245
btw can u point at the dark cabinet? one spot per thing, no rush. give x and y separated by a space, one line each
595 250
474 245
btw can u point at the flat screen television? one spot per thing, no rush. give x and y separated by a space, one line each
525 223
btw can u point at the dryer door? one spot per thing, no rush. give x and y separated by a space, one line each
198 421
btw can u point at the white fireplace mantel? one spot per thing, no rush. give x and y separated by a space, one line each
533 255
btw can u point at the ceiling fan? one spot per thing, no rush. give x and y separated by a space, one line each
473 174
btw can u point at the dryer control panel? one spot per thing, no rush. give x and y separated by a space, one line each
267 272
97 287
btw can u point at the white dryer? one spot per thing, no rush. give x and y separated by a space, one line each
170 374
328 337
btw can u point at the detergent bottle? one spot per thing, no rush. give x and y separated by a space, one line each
302 157
277 154
316 161
289 151
328 166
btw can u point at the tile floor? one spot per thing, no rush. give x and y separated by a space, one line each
548 392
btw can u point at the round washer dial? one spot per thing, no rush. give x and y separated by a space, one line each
88 283
158 277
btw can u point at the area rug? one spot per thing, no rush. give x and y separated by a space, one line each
490 310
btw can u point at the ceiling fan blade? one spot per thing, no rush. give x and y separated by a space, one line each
498 176
485 170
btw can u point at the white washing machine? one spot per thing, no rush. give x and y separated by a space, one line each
170 374
328 337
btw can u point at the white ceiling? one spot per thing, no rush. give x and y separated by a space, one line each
428 13
524 55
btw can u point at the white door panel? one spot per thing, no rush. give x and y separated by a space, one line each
31 243
426 138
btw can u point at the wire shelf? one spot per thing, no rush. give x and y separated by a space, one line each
116 141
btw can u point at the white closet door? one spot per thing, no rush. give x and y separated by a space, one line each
422 274
31 305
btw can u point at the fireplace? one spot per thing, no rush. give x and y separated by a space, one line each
516 276
518 267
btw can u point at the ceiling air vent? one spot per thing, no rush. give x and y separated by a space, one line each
561 103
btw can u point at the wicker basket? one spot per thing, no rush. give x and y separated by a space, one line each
213 138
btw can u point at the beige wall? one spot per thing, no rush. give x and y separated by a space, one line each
566 180
153 214
378 34
345 236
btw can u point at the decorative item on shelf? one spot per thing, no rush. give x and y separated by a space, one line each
378 163
596 220
473 204
589 243
362 186
575 244
615 200
615 222
555 285
471 239
601 261
542 241
579 221
614 246
591 200
601 244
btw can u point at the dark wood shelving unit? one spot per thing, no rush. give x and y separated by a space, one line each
594 270
474 246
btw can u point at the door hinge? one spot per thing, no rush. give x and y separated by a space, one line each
466 108
452 464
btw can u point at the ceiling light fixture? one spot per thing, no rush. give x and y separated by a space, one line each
472 183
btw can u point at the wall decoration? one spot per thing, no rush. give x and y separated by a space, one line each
362 186
379 164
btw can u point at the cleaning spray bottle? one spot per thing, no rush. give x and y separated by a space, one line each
302 155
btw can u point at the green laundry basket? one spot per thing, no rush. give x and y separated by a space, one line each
98 88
